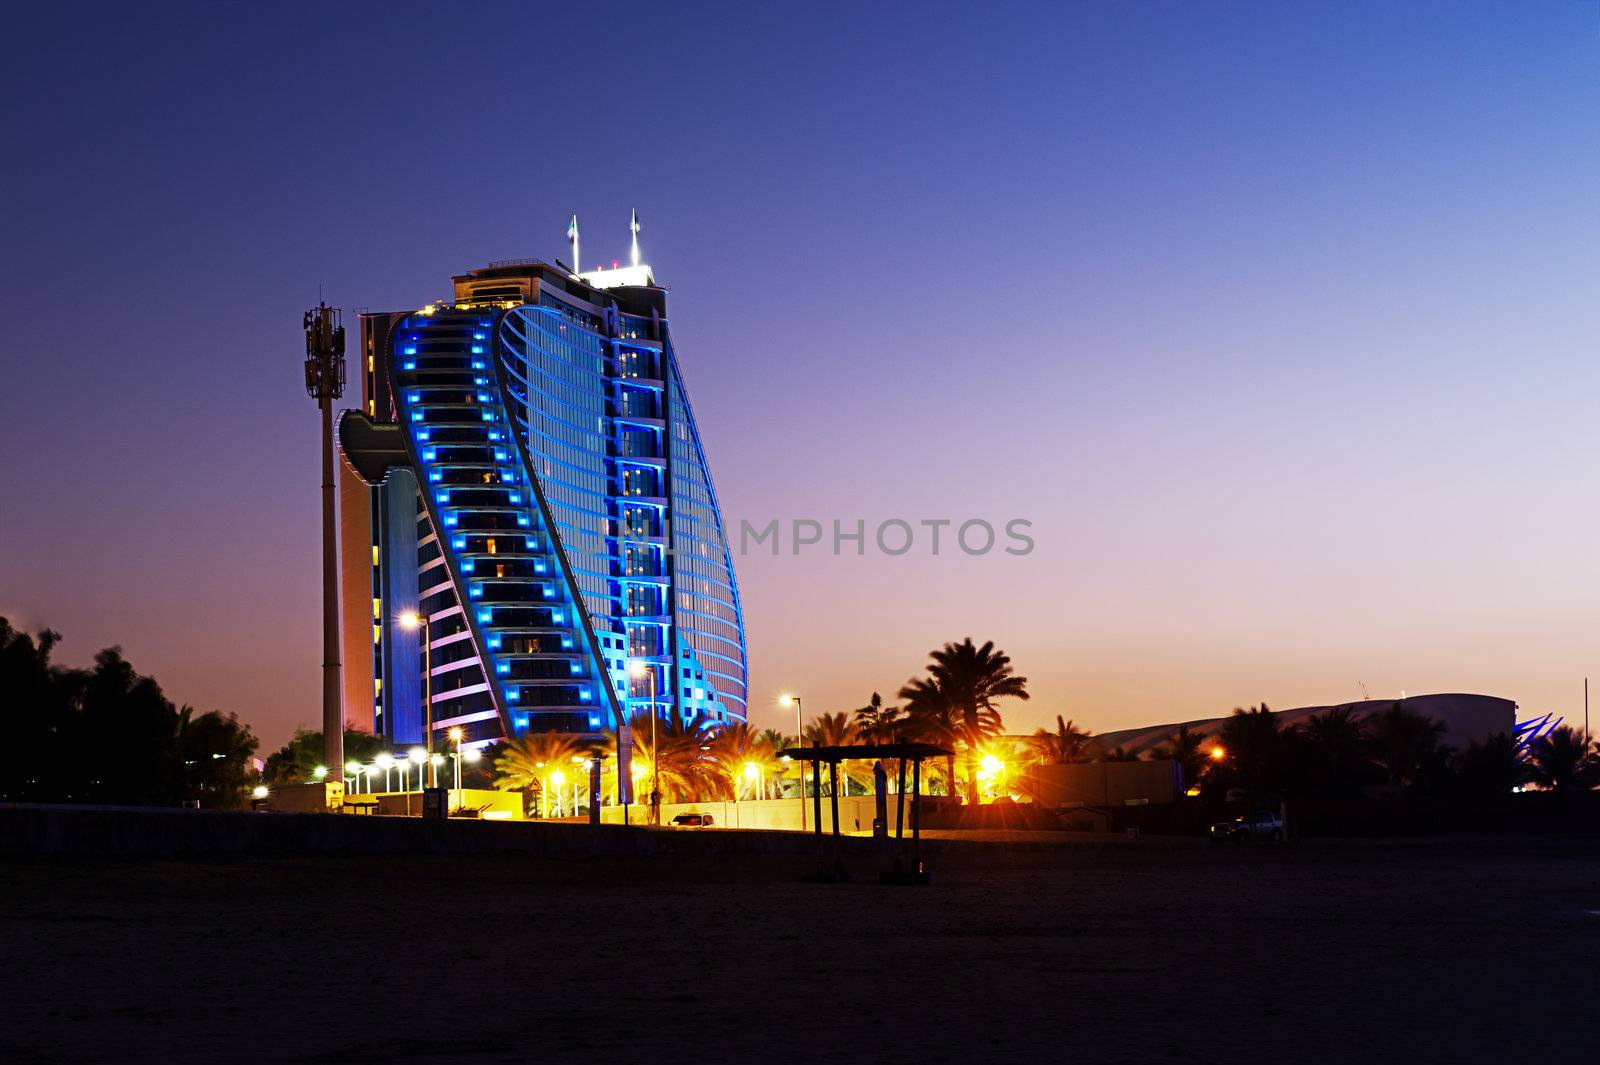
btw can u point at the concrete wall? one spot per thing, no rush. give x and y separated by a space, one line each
305 798
855 813
108 831
1104 783
495 805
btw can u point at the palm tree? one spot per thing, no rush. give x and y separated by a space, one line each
876 723
1491 767
525 763
835 730
931 719
1188 749
775 739
1335 740
734 748
1563 760
686 770
970 679
831 730
1061 747
1403 743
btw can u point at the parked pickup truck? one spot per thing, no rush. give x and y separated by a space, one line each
1261 825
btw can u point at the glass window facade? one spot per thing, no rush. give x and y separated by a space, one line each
564 523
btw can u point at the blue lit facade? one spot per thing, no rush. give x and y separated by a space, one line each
551 511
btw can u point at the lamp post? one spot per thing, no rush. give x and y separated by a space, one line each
325 383
799 739
385 762
352 771
640 669
419 758
411 619
455 737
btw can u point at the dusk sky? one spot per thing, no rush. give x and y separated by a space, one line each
1277 322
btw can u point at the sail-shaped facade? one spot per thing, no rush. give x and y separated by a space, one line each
527 477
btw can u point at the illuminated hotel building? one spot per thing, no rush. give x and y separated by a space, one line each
526 473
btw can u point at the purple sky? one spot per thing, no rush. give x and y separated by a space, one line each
1277 321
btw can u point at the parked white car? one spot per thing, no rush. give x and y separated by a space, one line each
1263 825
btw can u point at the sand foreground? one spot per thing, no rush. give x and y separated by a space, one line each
1403 951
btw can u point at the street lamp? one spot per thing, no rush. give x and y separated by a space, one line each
557 779
455 738
637 670
752 773
799 739
385 762
419 758
1218 754
352 771
321 773
413 620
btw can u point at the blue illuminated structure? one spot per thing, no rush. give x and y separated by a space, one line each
534 483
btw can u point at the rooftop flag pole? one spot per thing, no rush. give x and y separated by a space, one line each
634 228
572 235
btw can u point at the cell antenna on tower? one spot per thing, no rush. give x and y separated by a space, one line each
572 235
633 227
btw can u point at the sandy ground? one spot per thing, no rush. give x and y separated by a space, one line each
1464 951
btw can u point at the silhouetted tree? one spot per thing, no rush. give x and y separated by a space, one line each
108 734
1333 746
970 679
930 718
1067 744
1189 750
296 761
1253 752
1405 745
876 723
836 730
1563 760
1490 768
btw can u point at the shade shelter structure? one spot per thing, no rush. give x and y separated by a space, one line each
908 866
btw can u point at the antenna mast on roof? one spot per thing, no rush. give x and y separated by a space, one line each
572 235
633 227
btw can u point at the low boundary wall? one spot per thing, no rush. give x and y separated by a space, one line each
30 830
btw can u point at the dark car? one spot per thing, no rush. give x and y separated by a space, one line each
693 820
1261 825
